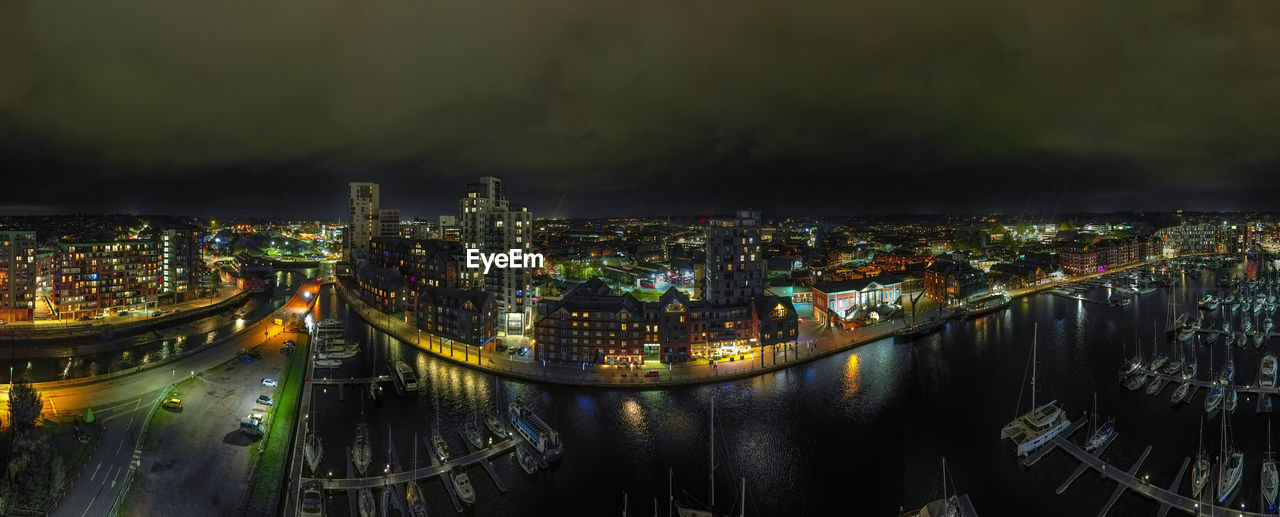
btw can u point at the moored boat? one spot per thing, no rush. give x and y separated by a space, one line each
361 451
525 459
1031 430
496 426
1200 470
312 504
413 498
365 504
462 486
1180 394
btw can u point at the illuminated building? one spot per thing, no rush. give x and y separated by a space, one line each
491 224
862 300
18 271
735 265
463 315
93 277
180 274
362 211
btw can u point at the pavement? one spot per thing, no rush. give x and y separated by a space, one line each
135 393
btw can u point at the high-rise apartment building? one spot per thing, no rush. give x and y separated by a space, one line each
17 275
388 222
735 265
362 213
181 264
491 224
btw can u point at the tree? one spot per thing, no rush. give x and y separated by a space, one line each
29 474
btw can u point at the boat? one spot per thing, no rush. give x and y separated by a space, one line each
1231 339
1228 374
312 450
986 304
1186 334
473 434
1214 398
462 485
1101 433
413 497
440 447
312 504
922 328
366 506
951 504
543 437
1200 470
407 377
1154 386
1182 392
496 426
1206 300
1258 339
328 363
1031 430
1235 307
1131 366
1232 467
1212 305
525 459
1232 400
1270 478
1137 381
361 451
336 354
1268 325
1158 361
1267 371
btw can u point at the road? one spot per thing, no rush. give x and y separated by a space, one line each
125 401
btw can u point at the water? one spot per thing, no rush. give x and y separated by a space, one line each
64 363
858 433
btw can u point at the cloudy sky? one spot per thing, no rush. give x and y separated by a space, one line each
669 106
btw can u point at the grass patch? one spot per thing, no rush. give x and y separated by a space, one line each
162 417
270 456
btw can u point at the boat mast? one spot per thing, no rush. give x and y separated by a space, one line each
1034 336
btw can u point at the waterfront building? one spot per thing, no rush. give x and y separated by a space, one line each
489 223
422 263
94 277
948 280
18 272
383 288
463 315
388 222
855 302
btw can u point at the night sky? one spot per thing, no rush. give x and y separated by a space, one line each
667 107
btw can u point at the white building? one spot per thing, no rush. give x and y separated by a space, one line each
363 206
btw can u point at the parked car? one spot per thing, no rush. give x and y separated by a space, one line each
651 373
83 318
157 314
500 347
524 350
264 400
269 382
290 342
172 403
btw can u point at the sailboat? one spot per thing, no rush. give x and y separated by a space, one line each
1231 468
1031 430
367 507
1214 398
312 450
1228 374
1267 371
472 433
412 491
1131 365
1270 478
440 446
525 459
1200 472
1101 433
950 505
686 510
1175 364
361 452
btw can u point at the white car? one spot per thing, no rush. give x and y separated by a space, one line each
264 400
269 382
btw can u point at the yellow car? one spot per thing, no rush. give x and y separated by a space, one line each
172 403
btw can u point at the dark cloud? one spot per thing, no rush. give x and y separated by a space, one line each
651 106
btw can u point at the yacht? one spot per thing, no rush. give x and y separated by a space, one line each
1232 400
1231 339
328 363
361 452
1154 386
1031 430
413 496
496 426
1267 371
1137 381
951 504
987 304
1228 374
367 507
1214 398
1232 467
1258 339
525 459
312 450
1182 393
1101 433
312 504
1131 366
1186 334
440 446
462 485
1268 325
1270 479
473 435
1200 471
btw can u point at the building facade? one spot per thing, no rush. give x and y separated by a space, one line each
735 267
948 280
382 288
388 222
463 315
18 272
422 263
182 266
362 212
94 277
854 302
488 222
